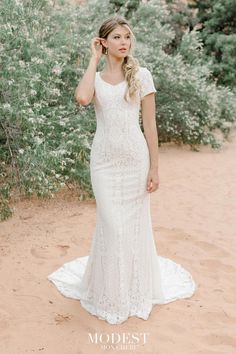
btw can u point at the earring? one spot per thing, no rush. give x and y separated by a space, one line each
106 51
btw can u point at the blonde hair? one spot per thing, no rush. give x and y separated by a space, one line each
130 64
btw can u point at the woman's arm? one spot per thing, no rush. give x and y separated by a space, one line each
85 90
151 135
150 129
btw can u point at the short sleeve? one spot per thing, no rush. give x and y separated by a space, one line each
147 84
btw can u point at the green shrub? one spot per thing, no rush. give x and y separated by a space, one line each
44 136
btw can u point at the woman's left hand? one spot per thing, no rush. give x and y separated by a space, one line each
152 180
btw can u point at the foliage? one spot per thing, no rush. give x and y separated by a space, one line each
215 21
219 37
41 134
190 107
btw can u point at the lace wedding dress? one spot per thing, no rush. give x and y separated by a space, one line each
122 276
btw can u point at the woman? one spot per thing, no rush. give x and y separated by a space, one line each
122 276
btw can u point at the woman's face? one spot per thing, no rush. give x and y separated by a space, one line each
119 38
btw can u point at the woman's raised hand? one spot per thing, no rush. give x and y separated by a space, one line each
96 48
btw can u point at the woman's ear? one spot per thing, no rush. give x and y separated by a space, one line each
103 41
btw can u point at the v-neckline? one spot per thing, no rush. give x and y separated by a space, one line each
99 74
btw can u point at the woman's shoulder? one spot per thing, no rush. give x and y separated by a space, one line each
143 71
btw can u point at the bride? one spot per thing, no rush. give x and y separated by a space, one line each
123 275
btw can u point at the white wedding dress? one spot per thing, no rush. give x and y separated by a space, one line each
122 276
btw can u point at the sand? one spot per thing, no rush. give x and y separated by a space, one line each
194 223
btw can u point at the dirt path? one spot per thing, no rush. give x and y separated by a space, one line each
194 224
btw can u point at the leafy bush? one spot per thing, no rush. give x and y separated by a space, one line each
44 136
191 109
215 22
218 34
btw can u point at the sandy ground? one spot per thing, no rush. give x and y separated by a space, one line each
194 223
